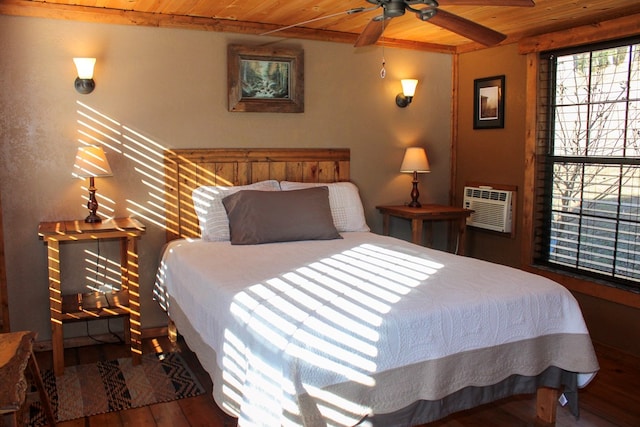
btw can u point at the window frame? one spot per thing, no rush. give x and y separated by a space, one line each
545 160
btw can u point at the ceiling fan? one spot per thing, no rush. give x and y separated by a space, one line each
431 12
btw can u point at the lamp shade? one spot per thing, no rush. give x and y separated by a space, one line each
415 160
409 86
91 162
85 67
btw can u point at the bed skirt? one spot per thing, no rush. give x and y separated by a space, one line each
416 413
426 411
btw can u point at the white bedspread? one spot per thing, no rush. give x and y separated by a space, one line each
296 324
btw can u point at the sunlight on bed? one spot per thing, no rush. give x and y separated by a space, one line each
322 316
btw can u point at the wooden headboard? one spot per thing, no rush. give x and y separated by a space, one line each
185 170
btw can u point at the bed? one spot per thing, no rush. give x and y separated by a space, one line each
333 325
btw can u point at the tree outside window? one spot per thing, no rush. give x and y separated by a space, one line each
593 180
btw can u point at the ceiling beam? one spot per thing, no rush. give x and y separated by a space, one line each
103 15
627 26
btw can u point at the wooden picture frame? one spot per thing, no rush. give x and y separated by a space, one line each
488 103
265 79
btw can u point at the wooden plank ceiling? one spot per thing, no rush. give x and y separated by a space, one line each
327 20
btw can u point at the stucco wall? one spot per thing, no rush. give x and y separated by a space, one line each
166 88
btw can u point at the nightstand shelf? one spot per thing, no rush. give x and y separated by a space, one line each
76 307
87 306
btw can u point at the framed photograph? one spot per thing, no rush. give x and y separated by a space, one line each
265 79
488 103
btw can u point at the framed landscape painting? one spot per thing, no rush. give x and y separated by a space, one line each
488 103
265 79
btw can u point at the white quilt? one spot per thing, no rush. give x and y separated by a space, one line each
294 325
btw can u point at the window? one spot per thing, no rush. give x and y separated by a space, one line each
591 156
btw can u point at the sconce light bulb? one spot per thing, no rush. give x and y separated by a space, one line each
409 87
84 82
85 67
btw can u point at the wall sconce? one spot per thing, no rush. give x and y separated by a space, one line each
90 163
408 90
415 161
84 82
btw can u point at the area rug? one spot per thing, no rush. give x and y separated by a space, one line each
116 385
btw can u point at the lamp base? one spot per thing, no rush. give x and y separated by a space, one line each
92 204
93 218
414 192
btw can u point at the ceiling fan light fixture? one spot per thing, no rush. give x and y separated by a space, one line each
394 8
428 10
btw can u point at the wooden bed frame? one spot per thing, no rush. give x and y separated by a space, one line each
187 169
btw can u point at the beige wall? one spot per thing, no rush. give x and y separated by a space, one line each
166 88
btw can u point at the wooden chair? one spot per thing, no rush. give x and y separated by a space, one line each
16 355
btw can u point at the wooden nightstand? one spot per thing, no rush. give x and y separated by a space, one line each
429 213
88 306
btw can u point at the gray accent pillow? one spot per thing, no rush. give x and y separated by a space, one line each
257 217
212 218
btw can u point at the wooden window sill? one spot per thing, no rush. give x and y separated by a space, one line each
591 288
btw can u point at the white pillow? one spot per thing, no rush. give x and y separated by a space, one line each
207 201
344 199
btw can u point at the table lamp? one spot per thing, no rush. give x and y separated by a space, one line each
415 161
91 162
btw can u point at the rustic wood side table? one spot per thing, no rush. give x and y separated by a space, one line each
95 305
429 213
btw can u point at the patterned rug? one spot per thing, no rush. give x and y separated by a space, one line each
116 385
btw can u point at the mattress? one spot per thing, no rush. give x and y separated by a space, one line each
320 333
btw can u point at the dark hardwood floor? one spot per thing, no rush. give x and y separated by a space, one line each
611 399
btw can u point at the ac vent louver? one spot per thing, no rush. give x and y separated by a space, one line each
492 208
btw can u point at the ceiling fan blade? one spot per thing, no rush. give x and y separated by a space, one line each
373 31
466 28
517 3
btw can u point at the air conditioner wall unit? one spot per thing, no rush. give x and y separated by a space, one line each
492 208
